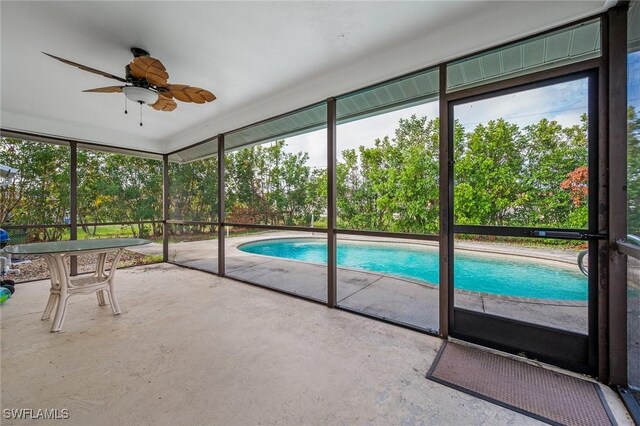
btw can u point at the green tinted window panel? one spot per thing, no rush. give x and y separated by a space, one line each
562 47
512 59
491 65
123 151
198 152
398 94
296 123
633 27
532 54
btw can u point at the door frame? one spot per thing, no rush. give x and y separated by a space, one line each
566 349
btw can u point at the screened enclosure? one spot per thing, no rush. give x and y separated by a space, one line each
461 200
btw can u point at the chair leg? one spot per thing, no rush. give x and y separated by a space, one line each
60 313
51 303
101 300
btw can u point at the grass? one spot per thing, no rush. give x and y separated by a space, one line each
103 231
526 242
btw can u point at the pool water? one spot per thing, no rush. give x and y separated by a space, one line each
476 273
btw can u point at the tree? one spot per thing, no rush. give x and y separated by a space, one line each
488 167
267 185
576 184
393 186
355 202
119 188
193 189
551 154
40 191
93 202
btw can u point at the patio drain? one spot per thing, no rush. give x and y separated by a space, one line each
539 393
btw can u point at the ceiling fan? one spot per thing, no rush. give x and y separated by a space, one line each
146 82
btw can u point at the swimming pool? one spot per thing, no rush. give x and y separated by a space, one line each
513 276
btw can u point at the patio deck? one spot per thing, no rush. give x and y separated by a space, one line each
193 348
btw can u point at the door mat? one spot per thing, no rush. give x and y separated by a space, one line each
543 394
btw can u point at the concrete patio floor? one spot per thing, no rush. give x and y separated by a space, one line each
192 348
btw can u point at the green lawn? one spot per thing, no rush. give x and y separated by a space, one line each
103 231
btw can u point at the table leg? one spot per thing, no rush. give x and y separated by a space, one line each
59 284
51 303
54 291
101 299
100 265
112 291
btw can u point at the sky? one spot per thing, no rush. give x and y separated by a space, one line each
564 103
633 80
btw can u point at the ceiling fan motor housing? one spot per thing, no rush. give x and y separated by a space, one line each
137 52
138 82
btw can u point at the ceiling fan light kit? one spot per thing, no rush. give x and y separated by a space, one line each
140 95
147 83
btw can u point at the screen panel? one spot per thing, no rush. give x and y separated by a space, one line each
194 245
387 147
390 278
280 181
293 262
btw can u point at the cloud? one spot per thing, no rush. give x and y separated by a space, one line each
565 101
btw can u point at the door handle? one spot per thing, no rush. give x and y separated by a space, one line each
560 234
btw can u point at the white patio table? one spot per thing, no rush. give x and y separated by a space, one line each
63 285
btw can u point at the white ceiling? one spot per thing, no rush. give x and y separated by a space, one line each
259 58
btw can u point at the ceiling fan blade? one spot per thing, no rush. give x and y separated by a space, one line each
185 93
164 104
151 69
108 89
177 91
86 68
